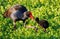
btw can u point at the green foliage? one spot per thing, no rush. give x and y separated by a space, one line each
44 9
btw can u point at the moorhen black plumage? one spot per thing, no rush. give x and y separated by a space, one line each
18 12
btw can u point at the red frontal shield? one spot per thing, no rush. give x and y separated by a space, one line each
31 16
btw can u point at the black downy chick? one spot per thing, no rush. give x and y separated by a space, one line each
42 23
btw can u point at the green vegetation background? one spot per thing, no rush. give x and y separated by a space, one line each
44 9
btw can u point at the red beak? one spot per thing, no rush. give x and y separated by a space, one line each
31 16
